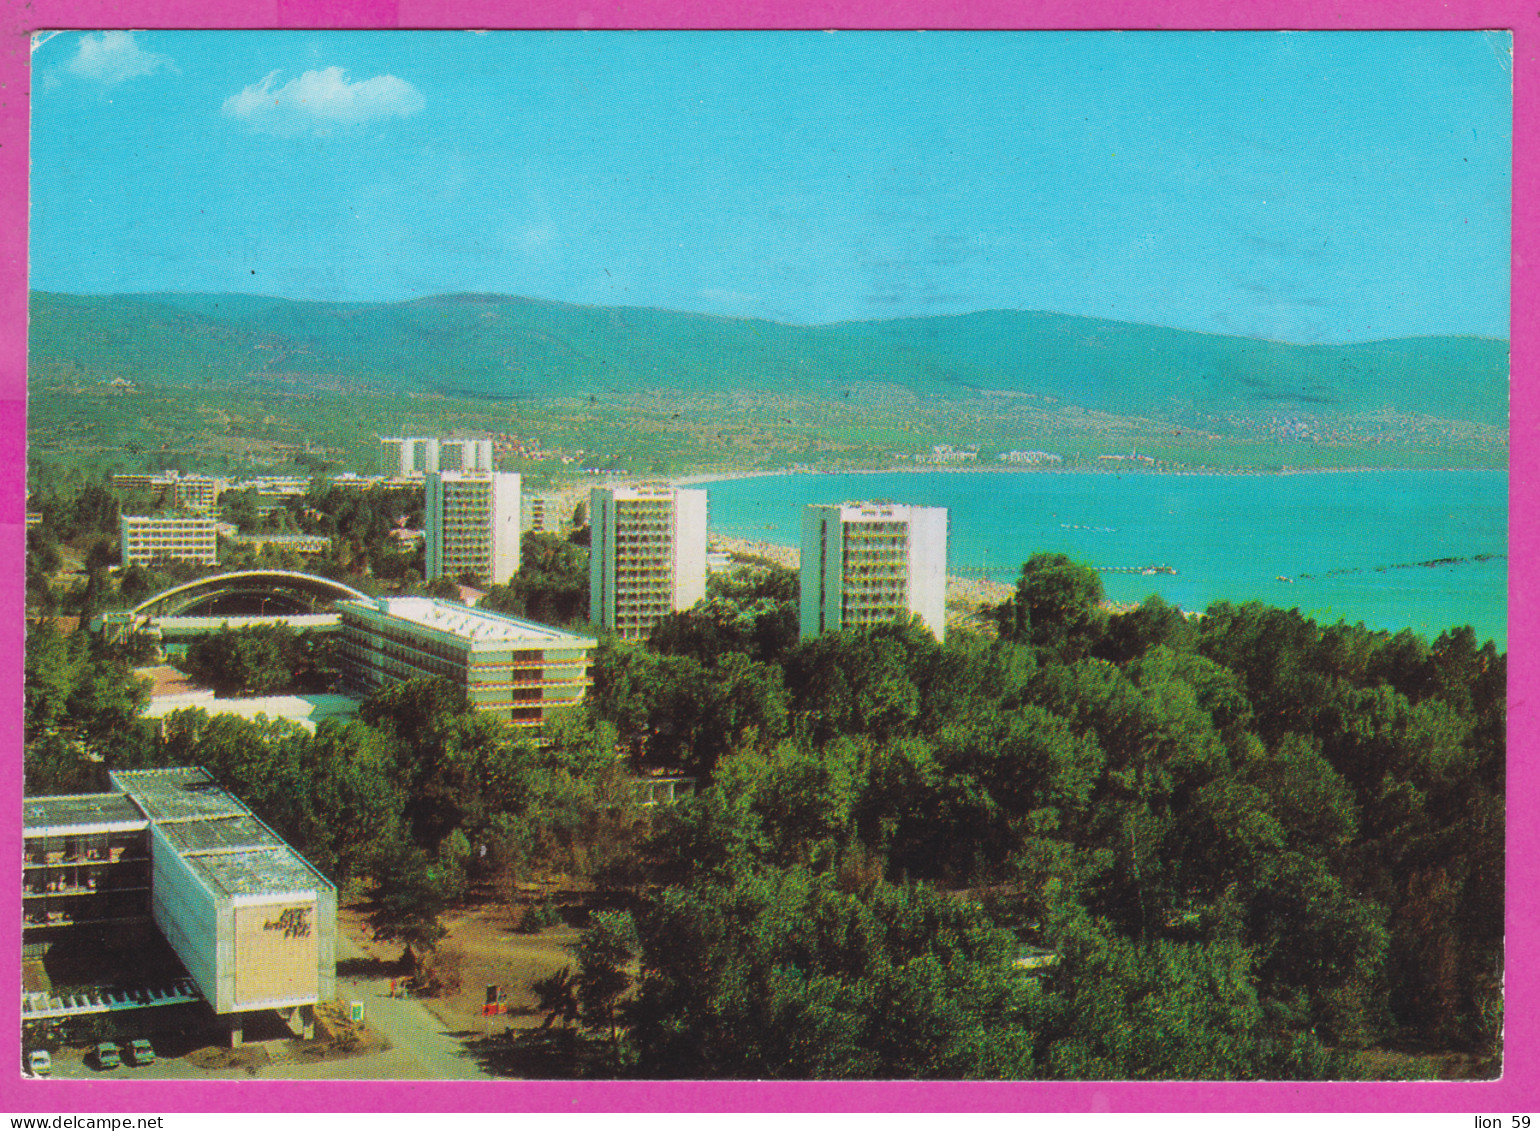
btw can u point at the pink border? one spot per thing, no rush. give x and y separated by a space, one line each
1515 1092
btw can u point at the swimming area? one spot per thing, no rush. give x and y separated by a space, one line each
1425 550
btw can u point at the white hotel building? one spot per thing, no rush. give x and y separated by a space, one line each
146 540
412 457
472 524
869 563
648 555
517 670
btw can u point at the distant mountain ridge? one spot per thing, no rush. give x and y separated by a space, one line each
510 348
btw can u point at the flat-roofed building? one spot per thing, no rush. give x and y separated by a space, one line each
251 921
190 491
295 543
87 864
869 563
154 481
517 670
472 525
647 556
198 493
146 539
412 457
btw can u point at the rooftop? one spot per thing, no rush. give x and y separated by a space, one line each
230 850
468 624
81 812
879 509
220 834
256 871
184 794
308 711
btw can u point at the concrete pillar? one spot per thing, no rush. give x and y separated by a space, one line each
237 1031
301 1021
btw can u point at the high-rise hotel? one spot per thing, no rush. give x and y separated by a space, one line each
869 563
472 524
648 555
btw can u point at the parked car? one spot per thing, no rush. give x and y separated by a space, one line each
140 1053
107 1056
39 1063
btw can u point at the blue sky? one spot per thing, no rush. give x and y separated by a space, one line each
1298 186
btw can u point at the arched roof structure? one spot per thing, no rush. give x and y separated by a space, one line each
284 589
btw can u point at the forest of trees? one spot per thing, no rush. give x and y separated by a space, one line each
1250 846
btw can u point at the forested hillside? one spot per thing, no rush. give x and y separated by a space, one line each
228 377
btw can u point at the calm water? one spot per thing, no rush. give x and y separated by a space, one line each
1351 542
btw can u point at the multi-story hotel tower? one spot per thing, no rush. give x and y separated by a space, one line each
648 556
473 524
868 563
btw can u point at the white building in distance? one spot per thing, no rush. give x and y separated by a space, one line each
146 540
870 563
412 457
648 555
472 524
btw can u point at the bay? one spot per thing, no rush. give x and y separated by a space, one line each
1425 550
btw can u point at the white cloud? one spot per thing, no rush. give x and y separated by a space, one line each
318 99
114 56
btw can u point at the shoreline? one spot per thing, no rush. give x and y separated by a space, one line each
696 479
966 597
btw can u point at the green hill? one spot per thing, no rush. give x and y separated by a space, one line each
1033 370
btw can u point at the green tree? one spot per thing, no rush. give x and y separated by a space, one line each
1057 607
780 974
603 952
408 897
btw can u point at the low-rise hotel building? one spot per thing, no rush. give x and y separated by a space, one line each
250 920
191 492
146 539
517 670
294 543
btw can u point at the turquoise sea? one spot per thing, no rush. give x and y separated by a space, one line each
1354 546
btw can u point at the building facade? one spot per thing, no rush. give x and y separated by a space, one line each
198 493
869 563
647 556
87 865
517 670
251 921
412 457
146 540
532 508
295 543
472 524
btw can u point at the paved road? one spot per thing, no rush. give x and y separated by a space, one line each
417 1035
421 1048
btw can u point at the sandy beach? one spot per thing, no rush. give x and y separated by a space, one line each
966 597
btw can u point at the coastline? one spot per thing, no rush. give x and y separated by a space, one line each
966 597
697 479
